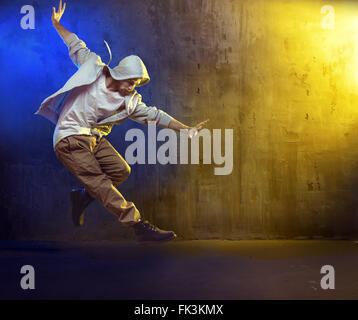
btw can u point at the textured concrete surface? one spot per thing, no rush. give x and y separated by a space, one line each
188 270
267 69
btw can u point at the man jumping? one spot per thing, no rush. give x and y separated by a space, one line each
84 110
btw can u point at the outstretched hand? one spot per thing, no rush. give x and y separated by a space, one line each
56 16
194 130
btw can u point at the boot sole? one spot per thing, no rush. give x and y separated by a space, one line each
157 241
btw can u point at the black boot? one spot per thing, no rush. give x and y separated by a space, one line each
146 232
80 199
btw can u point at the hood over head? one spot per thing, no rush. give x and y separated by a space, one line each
128 68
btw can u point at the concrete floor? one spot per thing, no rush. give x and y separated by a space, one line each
190 270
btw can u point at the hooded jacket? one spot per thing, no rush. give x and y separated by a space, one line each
90 67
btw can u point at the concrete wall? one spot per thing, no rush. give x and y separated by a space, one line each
269 70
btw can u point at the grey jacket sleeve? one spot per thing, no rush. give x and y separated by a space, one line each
144 114
78 51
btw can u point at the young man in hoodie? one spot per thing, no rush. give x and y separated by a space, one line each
84 110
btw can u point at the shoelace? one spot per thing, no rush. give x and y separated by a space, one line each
149 226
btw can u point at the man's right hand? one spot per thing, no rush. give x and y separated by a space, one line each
56 16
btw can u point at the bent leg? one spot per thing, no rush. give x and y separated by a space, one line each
111 162
77 154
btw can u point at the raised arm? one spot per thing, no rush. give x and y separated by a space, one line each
78 51
56 17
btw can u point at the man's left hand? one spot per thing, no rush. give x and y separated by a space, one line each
192 132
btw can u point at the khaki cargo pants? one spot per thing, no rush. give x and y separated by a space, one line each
100 168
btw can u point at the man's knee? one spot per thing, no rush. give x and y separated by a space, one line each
122 175
127 171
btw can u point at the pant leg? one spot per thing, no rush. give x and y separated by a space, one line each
111 162
76 152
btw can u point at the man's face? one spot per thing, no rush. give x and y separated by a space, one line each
126 87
